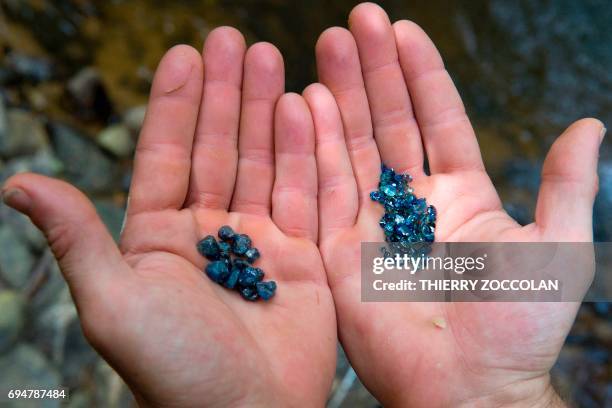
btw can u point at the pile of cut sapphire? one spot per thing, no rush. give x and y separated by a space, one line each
235 272
408 220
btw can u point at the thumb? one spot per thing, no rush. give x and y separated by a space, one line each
83 247
564 210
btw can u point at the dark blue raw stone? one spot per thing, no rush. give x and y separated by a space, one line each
266 290
217 271
252 255
241 263
226 233
225 249
242 243
376 196
209 248
249 276
249 293
232 279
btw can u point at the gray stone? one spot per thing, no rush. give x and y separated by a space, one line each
22 227
78 356
112 216
134 118
117 140
16 261
26 368
84 164
42 162
11 318
25 134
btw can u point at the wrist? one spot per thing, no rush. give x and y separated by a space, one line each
533 393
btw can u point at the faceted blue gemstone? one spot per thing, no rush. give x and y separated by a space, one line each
232 279
266 290
209 248
419 205
249 293
398 219
375 196
242 243
389 190
252 255
217 271
226 233
405 229
249 276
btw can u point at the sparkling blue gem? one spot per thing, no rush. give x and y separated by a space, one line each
266 290
376 196
224 249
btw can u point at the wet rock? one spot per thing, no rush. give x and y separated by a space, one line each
117 140
24 134
16 261
134 118
89 95
112 216
42 162
79 356
29 67
26 368
84 164
11 318
22 227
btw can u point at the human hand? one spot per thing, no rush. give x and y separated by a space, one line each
213 151
392 100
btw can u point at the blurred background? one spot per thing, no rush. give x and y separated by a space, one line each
74 77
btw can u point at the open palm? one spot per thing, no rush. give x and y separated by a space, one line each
392 101
213 151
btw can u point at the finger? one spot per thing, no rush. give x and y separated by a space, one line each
569 183
294 198
338 68
395 128
215 153
264 83
448 136
163 154
85 251
338 196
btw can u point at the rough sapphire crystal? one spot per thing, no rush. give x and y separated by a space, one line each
252 255
230 265
217 271
407 219
226 233
242 243
209 248
265 290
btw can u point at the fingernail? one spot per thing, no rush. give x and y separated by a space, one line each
602 134
17 199
180 71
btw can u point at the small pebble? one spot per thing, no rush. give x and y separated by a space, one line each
225 249
232 279
439 322
249 276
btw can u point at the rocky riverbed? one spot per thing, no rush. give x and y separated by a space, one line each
74 76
